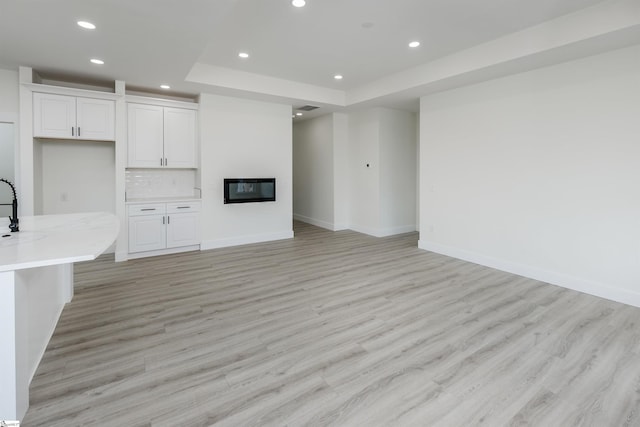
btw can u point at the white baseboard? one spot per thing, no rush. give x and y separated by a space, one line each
316 222
167 251
601 290
376 232
245 240
121 256
384 232
401 229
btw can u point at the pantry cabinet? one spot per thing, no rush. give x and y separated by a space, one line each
71 117
157 226
161 137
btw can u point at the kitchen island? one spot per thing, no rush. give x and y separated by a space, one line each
36 281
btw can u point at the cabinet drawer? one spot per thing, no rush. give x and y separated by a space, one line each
183 207
147 209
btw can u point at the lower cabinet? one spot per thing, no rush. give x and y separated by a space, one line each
157 226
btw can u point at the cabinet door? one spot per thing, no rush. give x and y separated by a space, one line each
147 233
145 136
180 137
183 229
54 116
95 119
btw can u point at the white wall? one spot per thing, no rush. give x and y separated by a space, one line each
321 188
244 139
357 171
364 149
9 95
398 173
76 176
341 175
383 194
37 170
7 165
313 171
538 174
9 111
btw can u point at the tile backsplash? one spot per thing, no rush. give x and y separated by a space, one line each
150 183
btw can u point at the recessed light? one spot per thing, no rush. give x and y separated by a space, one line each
414 44
243 55
298 114
165 87
87 25
338 77
298 3
97 61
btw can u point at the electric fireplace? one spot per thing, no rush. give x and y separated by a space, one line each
249 190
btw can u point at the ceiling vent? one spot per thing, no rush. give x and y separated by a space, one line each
308 108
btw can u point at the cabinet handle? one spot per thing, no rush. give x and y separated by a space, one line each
148 209
163 220
168 219
72 131
165 161
161 162
183 207
78 130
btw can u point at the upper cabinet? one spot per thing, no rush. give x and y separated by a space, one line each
70 117
161 136
180 138
145 135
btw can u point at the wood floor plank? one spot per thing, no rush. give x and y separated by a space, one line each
333 329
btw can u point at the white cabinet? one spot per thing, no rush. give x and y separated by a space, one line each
179 138
183 224
70 117
145 135
157 226
147 227
161 136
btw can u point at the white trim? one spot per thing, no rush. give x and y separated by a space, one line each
384 232
14 360
166 251
61 90
364 230
401 229
313 221
25 167
590 287
245 240
121 256
136 99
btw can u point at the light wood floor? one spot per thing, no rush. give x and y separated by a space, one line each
335 329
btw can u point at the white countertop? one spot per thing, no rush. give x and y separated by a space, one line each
163 199
57 239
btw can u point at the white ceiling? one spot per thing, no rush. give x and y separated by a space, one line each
294 51
327 37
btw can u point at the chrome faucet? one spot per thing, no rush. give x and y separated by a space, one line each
13 221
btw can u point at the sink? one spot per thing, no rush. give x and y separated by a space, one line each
13 239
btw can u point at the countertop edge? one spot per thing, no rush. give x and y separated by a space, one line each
101 228
162 200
